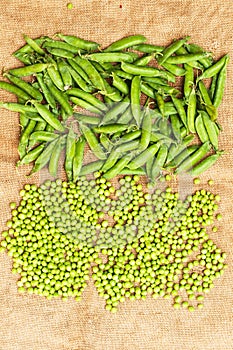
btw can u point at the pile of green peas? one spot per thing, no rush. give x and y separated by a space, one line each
134 241
119 102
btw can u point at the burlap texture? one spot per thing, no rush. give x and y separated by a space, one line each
32 322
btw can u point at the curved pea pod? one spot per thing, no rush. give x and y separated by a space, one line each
24 137
79 42
84 104
29 70
55 76
214 68
118 166
175 124
191 111
175 149
210 129
60 97
159 161
87 119
47 95
120 84
191 161
34 44
70 153
200 128
148 48
14 90
31 155
43 136
117 110
113 56
174 69
92 141
78 157
88 98
145 130
126 42
111 160
106 142
60 52
57 44
91 167
139 171
220 85
44 157
210 108
205 164
110 128
182 156
48 116
56 154
144 60
169 50
144 156
27 87
185 58
147 71
188 80
205 61
130 136
135 93
65 74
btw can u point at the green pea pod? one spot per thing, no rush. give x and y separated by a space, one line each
84 104
182 156
175 124
126 171
27 87
191 111
34 44
214 69
125 43
160 103
118 166
31 155
48 116
87 119
115 111
48 97
44 157
70 153
120 84
43 136
74 64
15 90
130 136
159 161
60 52
144 60
78 158
148 48
200 128
135 93
60 45
193 48
169 50
111 160
23 141
60 97
88 98
91 167
29 70
110 128
65 73
194 158
188 80
78 42
210 108
79 80
26 49
174 69
106 142
220 85
143 157
55 76
175 149
145 130
92 141
126 117
185 58
210 129
147 71
205 164
112 56
56 154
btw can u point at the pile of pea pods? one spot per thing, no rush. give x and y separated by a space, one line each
141 109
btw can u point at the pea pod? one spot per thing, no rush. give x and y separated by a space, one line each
135 93
214 69
29 89
159 161
143 157
29 70
126 43
191 111
87 97
70 153
115 111
200 128
119 165
194 158
48 97
169 50
60 45
78 157
220 85
23 141
210 129
49 117
44 157
43 136
34 44
91 167
110 128
31 155
78 42
205 164
65 74
15 90
210 108
92 142
145 130
60 97
55 155
113 57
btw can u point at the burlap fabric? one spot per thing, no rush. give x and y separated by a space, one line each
32 322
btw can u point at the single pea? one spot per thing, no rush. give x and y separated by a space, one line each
210 182
196 181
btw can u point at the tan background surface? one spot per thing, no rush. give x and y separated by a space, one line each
32 322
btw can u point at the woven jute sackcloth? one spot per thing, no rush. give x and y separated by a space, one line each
35 323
